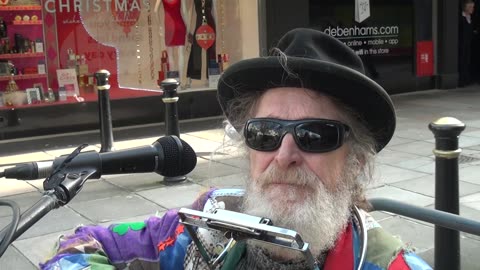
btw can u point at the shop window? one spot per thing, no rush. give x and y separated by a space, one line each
49 49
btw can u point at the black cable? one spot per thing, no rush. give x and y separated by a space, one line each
2 174
9 231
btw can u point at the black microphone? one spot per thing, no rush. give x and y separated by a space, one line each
168 156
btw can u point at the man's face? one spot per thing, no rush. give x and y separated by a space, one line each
290 104
306 192
469 8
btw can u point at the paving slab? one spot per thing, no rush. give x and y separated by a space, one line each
39 249
227 181
14 259
401 195
103 210
5 158
402 159
201 144
174 196
136 182
211 169
398 140
12 187
426 185
470 174
24 201
69 150
390 174
421 148
59 219
469 250
216 135
472 201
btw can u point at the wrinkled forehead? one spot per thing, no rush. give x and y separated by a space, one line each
296 103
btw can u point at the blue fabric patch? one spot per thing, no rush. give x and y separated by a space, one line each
370 266
172 257
74 262
356 246
415 262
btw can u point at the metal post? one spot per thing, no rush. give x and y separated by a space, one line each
170 98
105 114
447 241
12 118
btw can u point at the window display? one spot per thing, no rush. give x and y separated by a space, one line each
22 58
60 44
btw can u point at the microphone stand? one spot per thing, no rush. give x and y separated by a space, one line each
65 187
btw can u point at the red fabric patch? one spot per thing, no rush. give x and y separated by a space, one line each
341 256
171 240
399 263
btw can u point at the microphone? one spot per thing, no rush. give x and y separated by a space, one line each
168 156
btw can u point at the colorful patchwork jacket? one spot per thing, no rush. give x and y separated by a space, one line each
163 243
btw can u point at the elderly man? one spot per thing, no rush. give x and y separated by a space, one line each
312 123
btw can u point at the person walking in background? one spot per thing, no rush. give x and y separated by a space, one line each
465 43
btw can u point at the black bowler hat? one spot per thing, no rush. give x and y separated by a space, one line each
319 62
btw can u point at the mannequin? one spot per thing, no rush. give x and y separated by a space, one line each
174 33
195 70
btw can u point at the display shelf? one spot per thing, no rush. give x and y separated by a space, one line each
30 7
23 77
39 22
21 55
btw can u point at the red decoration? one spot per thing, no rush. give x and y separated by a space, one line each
171 239
424 58
205 36
127 17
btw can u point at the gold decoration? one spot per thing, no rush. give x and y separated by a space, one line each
12 96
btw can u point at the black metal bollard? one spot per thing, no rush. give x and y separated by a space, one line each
447 241
170 98
105 113
12 118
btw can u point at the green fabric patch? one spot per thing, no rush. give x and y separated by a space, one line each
99 262
382 247
234 256
122 229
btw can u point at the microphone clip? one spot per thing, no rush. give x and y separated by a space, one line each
64 184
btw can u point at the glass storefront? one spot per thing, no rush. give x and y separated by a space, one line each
50 49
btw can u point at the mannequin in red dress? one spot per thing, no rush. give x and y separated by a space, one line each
175 29
175 32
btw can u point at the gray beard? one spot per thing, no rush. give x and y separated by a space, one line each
319 219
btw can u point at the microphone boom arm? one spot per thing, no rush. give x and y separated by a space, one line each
58 196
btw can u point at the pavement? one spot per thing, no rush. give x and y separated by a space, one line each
405 172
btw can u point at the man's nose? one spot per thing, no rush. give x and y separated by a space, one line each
288 154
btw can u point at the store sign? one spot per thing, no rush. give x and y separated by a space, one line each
54 6
379 31
424 58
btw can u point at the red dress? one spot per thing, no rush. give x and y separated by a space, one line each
175 30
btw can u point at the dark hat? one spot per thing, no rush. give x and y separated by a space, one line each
318 62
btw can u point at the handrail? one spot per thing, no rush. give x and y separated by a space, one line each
433 216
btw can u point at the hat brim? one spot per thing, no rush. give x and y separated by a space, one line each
349 86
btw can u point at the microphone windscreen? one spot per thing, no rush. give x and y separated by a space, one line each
178 160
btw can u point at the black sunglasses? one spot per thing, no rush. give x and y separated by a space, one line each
311 135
